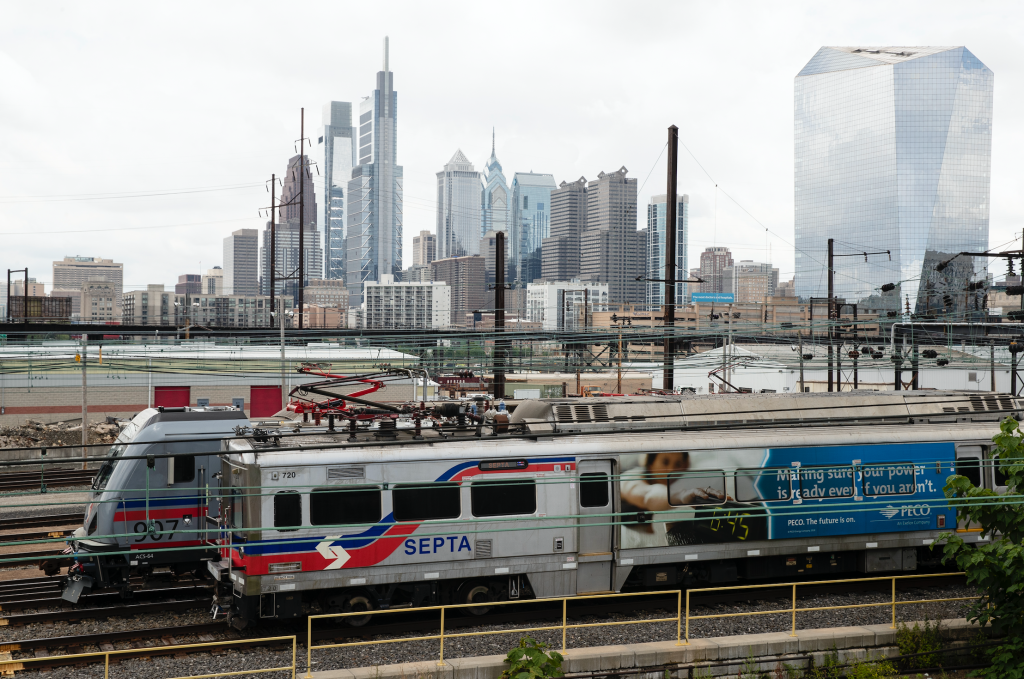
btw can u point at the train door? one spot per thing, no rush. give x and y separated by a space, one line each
596 510
969 464
184 513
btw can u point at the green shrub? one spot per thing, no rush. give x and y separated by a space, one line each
927 640
529 660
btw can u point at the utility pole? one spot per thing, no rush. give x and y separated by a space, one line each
85 400
668 376
801 363
280 318
992 367
273 246
499 315
302 211
618 379
831 306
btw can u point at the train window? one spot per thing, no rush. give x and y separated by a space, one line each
971 468
423 502
594 489
184 468
697 487
287 510
339 506
820 482
997 473
763 484
894 478
504 498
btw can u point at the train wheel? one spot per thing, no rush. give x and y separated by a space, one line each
355 604
476 593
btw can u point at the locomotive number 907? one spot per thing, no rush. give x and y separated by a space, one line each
140 527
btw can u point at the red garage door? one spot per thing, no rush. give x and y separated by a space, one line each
264 401
172 397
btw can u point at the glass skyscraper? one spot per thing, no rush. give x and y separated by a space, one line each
493 196
373 236
656 248
458 208
531 224
893 152
339 157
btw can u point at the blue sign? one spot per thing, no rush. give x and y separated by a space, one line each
721 297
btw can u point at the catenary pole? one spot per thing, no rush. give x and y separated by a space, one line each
85 401
302 208
831 315
669 314
499 315
273 246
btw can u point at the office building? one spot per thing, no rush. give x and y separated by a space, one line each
241 268
560 252
467 277
213 281
893 153
417 273
70 273
458 208
611 248
424 248
295 177
373 235
531 224
324 316
191 283
713 262
286 256
326 292
564 305
494 197
750 281
655 239
406 305
100 302
337 140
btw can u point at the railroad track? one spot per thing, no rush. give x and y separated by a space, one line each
23 522
44 599
53 478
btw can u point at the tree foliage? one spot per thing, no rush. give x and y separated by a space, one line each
529 660
995 568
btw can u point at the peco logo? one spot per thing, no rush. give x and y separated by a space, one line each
906 511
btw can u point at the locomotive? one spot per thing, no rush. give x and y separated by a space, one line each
566 496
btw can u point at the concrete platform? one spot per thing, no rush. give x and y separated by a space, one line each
768 650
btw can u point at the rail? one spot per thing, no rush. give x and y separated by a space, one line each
565 626
793 610
20 664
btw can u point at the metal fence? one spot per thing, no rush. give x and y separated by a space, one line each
25 664
793 610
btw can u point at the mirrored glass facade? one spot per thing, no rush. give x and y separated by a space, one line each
531 224
892 152
656 248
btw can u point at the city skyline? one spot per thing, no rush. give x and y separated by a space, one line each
744 139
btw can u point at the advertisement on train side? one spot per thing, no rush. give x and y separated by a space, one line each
683 498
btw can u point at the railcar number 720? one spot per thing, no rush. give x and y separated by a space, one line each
140 527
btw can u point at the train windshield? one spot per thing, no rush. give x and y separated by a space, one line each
115 451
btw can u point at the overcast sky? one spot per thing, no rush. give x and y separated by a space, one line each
199 101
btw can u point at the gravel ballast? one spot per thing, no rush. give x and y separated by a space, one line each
386 654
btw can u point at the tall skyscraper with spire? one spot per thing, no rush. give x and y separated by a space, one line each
373 239
494 203
337 140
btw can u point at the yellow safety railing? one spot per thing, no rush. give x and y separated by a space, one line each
793 610
443 635
13 665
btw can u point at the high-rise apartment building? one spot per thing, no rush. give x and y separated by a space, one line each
241 266
611 248
424 248
70 273
458 208
407 305
713 262
750 281
893 152
213 281
100 302
560 252
656 222
189 283
467 278
152 306
286 256
494 198
531 224
337 139
373 235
